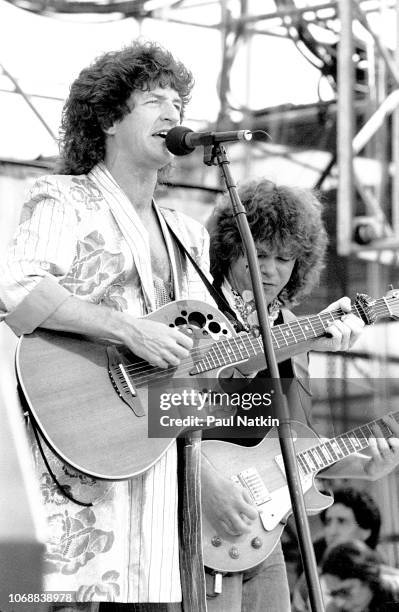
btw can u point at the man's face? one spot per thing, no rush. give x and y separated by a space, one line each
341 524
138 141
275 267
350 595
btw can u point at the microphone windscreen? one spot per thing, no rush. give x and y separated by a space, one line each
175 140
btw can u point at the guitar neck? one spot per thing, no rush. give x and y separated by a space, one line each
327 453
245 346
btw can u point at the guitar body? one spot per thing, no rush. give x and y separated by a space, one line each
259 470
89 418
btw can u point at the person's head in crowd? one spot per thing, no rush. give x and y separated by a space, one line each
353 515
351 573
104 94
286 223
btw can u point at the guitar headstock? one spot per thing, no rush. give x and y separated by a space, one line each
370 310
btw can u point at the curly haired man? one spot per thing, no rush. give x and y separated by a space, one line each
287 227
92 255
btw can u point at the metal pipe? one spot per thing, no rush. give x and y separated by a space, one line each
395 145
28 102
345 131
384 52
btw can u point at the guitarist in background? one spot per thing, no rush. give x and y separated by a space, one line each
291 241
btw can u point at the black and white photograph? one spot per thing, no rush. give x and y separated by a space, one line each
199 306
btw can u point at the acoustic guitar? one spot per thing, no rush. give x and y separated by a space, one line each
89 398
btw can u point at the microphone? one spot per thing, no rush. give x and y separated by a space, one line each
181 140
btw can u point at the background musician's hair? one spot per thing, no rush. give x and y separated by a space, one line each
280 218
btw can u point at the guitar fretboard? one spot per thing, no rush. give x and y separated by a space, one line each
245 346
327 453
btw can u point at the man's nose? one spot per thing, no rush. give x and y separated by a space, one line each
267 266
170 112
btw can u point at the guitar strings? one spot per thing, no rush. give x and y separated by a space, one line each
243 341
343 440
142 369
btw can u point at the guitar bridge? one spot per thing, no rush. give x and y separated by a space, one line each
251 480
121 380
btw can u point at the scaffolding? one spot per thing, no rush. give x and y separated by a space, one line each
375 232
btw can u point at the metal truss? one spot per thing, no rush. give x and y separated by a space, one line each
377 227
374 233
383 234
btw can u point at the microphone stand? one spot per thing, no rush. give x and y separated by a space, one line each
215 154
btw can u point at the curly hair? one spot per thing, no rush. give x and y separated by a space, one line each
281 218
98 98
364 508
353 559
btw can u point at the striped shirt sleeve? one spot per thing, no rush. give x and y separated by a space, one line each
41 253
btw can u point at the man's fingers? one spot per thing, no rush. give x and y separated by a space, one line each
344 303
184 340
247 508
344 333
339 335
236 528
160 345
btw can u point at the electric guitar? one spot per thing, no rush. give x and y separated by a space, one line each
260 470
89 398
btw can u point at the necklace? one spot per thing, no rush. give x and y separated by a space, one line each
245 306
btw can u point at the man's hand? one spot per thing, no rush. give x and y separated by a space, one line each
227 506
156 342
384 453
343 333
381 457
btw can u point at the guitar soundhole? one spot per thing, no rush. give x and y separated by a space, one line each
197 319
180 321
214 327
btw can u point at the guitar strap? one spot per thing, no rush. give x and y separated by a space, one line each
61 487
217 296
36 432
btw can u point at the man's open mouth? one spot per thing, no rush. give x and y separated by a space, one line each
161 133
